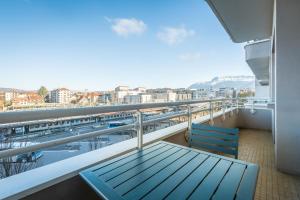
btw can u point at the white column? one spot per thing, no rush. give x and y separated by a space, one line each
287 88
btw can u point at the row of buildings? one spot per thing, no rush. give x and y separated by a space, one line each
19 99
121 95
125 95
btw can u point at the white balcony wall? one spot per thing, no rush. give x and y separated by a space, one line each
287 73
261 91
258 58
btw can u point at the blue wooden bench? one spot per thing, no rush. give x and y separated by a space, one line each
168 171
214 138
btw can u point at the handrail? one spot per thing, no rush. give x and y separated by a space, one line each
52 143
31 115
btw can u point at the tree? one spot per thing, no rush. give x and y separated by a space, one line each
9 165
43 91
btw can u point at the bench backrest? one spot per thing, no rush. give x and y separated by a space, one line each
214 138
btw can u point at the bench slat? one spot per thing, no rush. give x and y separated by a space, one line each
117 162
215 148
206 189
142 189
214 128
214 134
126 175
190 183
228 187
99 186
168 185
127 166
229 143
248 183
223 140
141 175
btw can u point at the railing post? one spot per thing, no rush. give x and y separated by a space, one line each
189 113
139 130
211 122
223 110
237 105
252 107
231 108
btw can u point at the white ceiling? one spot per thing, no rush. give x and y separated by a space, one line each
244 20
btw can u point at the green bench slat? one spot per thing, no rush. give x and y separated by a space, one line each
142 189
248 183
167 156
214 128
183 190
121 157
220 142
214 134
125 167
173 181
138 175
229 185
214 138
215 148
99 186
119 161
206 189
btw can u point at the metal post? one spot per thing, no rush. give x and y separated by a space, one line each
223 109
231 108
211 113
189 113
139 129
252 107
237 106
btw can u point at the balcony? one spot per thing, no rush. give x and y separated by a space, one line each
60 180
258 56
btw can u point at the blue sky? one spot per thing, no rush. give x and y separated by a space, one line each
99 44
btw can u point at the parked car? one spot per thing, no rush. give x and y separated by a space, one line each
29 157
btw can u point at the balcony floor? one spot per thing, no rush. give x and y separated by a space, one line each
256 146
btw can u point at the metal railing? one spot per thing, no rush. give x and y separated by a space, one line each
138 125
31 115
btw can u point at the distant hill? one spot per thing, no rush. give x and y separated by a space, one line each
237 82
11 90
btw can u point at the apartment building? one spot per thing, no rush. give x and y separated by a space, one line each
183 94
107 97
121 88
140 89
9 95
60 95
2 102
199 93
122 91
226 92
136 99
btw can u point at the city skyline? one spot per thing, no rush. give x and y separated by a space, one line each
99 44
203 85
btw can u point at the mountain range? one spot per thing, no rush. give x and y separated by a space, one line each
12 90
237 82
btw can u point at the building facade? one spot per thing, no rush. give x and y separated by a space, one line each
137 99
60 95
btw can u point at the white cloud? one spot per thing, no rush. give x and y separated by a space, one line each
190 56
125 26
174 35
